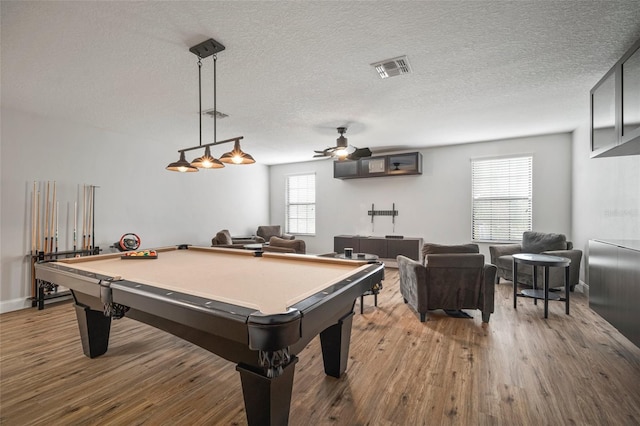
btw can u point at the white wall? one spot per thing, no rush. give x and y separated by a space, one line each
435 205
135 194
606 194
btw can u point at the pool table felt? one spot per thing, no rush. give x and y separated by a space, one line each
269 284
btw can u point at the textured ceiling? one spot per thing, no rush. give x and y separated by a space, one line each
294 71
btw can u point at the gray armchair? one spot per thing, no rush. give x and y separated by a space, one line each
224 239
541 243
268 231
452 277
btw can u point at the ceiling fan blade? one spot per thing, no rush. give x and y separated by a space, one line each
360 153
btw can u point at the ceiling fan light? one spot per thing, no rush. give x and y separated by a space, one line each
341 153
182 165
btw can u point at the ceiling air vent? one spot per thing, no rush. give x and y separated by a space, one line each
211 112
392 67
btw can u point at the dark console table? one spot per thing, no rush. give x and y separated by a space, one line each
614 284
383 247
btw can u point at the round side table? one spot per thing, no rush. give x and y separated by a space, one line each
546 262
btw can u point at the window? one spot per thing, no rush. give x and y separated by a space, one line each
501 190
301 204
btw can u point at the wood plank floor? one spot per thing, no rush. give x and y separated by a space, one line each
518 369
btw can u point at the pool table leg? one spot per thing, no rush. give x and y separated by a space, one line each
335 346
267 399
94 330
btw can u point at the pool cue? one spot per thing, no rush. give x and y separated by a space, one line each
52 218
38 222
75 223
46 221
93 217
90 209
47 246
57 223
33 219
84 216
89 213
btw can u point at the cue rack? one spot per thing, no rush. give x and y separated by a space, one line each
46 233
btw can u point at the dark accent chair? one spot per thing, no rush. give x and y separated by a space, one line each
452 277
539 243
280 245
224 239
268 231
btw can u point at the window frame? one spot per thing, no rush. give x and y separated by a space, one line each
511 237
288 204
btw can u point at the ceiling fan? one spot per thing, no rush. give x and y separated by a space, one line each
341 150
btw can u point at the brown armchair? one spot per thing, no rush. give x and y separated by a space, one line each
268 231
452 277
542 243
281 245
224 239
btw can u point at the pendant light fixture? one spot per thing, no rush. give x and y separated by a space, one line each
182 165
237 156
207 161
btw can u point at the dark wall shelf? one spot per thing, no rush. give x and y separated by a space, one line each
386 165
615 108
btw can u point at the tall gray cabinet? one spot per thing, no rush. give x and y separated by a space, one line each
614 284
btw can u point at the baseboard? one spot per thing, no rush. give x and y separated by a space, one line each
582 287
14 305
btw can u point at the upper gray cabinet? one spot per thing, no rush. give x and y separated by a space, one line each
409 163
615 108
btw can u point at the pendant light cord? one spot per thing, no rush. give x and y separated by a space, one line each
215 91
200 94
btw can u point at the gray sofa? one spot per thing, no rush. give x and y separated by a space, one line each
224 239
452 277
540 243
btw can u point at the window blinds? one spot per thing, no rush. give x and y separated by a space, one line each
502 198
301 204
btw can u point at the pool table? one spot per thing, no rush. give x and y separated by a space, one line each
258 310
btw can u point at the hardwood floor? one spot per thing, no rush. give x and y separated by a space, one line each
518 369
